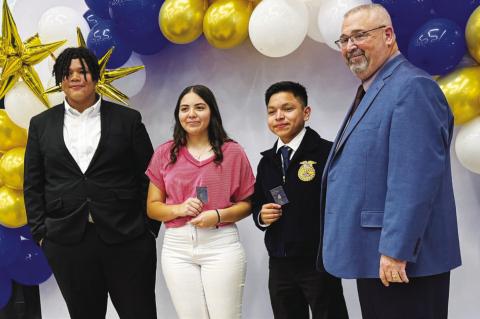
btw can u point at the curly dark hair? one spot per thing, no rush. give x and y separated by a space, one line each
216 133
62 64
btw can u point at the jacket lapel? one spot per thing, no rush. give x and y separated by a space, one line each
366 102
272 156
105 109
306 145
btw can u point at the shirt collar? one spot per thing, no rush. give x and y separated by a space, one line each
366 84
90 111
294 144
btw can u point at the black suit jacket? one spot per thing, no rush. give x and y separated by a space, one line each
297 232
59 197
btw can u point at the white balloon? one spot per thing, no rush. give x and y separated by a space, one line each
278 27
60 23
132 84
313 30
330 18
27 13
21 104
467 145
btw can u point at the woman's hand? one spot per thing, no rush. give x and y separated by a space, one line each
205 219
190 207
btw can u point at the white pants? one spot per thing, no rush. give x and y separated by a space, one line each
204 269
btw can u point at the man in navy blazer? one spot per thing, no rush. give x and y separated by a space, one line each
387 197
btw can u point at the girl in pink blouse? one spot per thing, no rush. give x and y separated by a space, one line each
200 184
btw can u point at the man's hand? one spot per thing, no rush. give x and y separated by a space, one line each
392 270
270 213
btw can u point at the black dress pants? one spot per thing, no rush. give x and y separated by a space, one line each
422 298
88 271
295 286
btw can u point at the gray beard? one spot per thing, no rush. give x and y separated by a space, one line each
359 67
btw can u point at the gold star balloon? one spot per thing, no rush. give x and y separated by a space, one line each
104 86
2 53
18 58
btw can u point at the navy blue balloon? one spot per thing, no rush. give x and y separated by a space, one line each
407 16
456 10
91 18
104 36
136 16
146 44
5 288
437 46
9 245
31 266
100 7
24 232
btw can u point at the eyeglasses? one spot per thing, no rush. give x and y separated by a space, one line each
356 37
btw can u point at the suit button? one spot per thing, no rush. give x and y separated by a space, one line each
88 200
85 178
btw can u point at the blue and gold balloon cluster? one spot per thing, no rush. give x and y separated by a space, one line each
436 35
146 26
21 259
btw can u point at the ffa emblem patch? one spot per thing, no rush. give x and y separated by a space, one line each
306 172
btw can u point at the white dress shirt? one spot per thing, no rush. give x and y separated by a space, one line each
81 133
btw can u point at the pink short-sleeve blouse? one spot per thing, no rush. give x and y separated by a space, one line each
230 182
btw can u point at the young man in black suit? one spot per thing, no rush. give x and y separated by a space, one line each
85 192
286 205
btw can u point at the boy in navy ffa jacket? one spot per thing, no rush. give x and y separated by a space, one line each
286 205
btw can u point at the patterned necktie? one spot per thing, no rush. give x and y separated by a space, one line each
285 151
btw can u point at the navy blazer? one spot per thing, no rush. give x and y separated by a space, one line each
388 187
297 232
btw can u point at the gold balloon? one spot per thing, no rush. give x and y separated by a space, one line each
226 23
472 34
11 135
181 21
12 208
462 90
11 168
255 2
1 181
19 58
104 86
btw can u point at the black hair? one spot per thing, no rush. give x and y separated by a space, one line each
298 91
63 61
216 133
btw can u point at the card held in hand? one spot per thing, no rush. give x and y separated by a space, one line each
279 195
202 194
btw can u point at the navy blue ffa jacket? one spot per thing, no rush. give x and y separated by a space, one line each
297 232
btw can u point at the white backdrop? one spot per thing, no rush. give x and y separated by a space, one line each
239 78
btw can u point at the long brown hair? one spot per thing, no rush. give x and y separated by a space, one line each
216 133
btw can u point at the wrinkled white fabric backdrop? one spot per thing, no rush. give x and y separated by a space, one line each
239 78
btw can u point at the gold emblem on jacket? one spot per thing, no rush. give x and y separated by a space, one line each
306 172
